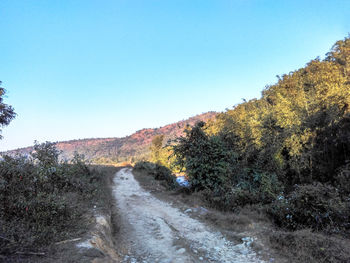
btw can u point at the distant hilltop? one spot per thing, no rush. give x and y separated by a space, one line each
116 150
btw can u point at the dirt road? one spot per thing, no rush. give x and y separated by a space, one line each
154 231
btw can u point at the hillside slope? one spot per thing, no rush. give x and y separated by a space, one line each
129 148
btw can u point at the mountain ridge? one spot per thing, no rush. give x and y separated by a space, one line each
114 150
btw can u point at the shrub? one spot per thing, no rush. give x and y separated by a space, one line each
314 206
207 160
263 187
159 172
343 179
143 165
37 196
248 187
228 199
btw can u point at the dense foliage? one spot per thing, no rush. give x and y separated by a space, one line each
207 159
38 197
285 149
314 206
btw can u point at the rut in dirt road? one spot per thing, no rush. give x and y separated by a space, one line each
154 231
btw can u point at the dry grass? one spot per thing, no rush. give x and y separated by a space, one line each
306 246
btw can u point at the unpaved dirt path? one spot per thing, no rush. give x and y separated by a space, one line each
154 231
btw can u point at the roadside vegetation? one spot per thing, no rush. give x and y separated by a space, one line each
158 172
46 200
287 153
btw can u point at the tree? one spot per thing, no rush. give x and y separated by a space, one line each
298 129
207 160
156 146
7 113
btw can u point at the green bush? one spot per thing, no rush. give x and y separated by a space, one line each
207 160
263 187
316 206
37 196
143 165
248 187
212 165
159 172
228 199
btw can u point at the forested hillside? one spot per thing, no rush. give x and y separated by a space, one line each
126 149
299 130
286 154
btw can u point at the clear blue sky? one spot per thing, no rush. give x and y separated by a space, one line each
81 69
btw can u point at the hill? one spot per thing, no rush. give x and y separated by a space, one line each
127 149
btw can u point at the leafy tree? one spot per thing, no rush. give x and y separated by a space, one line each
156 146
206 159
46 154
298 130
7 113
